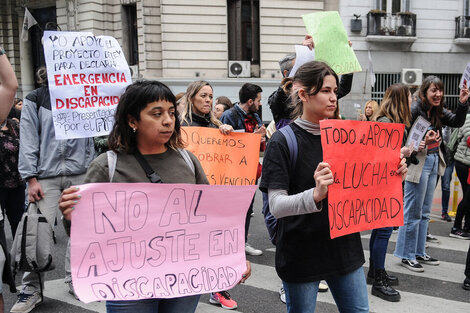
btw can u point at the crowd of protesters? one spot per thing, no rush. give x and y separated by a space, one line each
147 129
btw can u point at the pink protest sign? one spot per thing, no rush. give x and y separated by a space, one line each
142 240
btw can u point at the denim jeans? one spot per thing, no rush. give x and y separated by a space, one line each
349 292
445 186
378 246
248 216
417 200
174 305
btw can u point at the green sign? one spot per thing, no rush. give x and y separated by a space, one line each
331 41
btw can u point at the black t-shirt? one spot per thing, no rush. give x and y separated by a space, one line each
304 250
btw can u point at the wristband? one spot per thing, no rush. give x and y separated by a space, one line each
2 52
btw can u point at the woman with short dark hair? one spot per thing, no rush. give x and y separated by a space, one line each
146 123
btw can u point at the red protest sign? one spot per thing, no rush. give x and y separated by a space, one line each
367 191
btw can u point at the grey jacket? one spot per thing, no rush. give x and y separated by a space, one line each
41 155
463 152
448 118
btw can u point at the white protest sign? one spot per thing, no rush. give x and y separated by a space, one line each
465 76
417 132
87 74
302 55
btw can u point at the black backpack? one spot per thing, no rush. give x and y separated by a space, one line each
269 219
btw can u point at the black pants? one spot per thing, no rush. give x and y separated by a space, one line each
248 215
464 206
467 266
12 202
248 218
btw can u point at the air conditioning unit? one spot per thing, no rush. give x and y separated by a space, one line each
134 72
412 76
239 69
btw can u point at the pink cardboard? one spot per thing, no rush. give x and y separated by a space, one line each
143 240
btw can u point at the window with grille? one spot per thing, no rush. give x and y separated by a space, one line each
382 82
451 89
450 81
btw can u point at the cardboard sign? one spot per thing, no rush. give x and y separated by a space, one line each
465 77
302 55
367 191
331 41
143 240
417 132
226 159
87 75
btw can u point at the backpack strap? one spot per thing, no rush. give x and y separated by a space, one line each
269 219
292 145
112 160
187 159
151 175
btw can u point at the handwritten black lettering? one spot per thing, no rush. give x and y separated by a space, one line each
359 211
364 174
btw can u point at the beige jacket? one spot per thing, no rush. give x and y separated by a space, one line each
415 170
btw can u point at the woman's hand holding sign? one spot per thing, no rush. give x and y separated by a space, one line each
464 93
422 146
247 273
323 178
402 167
225 129
405 151
68 199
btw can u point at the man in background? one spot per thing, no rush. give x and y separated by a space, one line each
243 117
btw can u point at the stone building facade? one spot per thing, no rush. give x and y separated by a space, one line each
176 41
179 41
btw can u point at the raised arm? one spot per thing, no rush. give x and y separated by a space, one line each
345 85
457 119
8 85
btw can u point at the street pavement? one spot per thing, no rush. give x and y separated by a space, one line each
437 289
